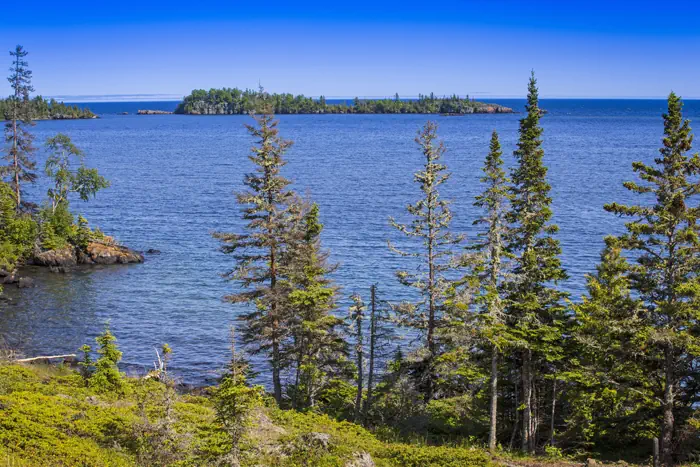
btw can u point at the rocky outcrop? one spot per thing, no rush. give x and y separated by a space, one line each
154 112
97 252
109 253
63 257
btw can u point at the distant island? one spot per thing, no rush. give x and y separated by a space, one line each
235 101
153 112
43 109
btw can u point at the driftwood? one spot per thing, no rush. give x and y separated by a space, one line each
47 359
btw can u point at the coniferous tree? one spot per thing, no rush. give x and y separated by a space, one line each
317 348
20 152
381 331
266 208
430 225
611 394
663 237
492 269
234 401
535 312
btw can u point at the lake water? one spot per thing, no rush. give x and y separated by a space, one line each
172 182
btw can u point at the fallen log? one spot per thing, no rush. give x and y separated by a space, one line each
47 359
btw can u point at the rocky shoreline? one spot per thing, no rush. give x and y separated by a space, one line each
63 259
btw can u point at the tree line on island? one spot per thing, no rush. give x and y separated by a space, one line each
505 358
235 101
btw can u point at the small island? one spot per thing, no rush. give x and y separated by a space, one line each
43 109
153 112
235 101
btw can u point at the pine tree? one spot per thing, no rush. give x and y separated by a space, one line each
234 401
662 236
430 225
317 347
607 357
20 159
107 377
491 269
535 309
266 207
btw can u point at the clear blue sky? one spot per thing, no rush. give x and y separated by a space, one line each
366 48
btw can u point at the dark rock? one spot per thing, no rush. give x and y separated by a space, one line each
64 257
58 269
25 283
10 278
152 251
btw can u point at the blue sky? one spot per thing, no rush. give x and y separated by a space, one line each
365 48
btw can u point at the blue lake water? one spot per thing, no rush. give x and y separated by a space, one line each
172 182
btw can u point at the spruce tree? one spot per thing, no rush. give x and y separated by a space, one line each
610 393
317 348
663 237
491 267
234 401
430 226
20 153
256 253
535 311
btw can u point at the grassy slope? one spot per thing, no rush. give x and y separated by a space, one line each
49 417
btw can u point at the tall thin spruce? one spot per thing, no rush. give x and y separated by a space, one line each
431 221
535 312
20 153
664 238
266 208
491 271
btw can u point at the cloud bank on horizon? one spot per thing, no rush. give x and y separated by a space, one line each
485 49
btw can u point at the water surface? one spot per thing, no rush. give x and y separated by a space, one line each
172 182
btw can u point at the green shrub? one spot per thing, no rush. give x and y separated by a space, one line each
107 377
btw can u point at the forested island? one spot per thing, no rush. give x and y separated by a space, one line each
43 109
507 368
234 101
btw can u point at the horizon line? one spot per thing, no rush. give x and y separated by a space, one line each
107 98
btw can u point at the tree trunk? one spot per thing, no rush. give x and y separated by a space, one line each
525 442
360 369
668 420
517 418
551 418
372 344
493 385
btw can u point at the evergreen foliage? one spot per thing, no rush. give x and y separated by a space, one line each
240 102
431 218
267 206
20 149
43 109
535 310
317 348
662 236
